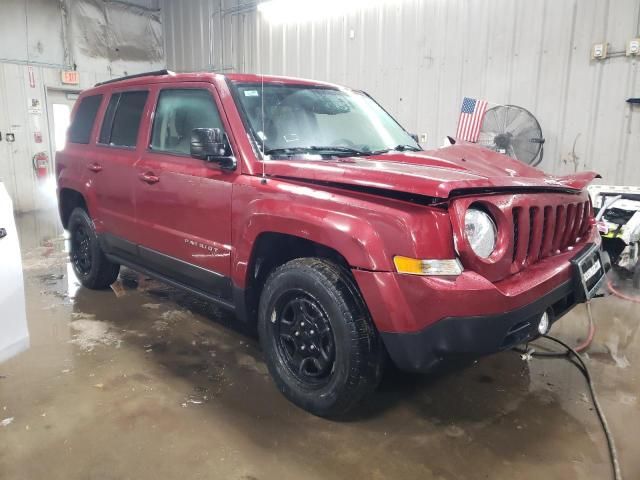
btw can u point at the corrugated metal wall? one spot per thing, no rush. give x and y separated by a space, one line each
113 36
420 57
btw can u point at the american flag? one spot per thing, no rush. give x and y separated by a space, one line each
471 115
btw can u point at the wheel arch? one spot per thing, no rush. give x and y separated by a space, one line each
69 199
273 249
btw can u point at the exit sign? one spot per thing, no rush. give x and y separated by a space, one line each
70 77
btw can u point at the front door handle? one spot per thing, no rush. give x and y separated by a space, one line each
95 167
149 177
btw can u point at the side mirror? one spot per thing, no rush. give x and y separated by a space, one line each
415 137
209 144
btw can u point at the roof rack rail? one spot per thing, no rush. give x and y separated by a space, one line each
156 73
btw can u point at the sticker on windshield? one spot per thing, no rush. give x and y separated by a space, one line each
251 93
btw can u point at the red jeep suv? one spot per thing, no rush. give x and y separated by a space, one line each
306 207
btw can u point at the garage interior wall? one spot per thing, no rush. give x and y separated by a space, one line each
419 58
100 39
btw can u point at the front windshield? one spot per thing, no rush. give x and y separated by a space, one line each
306 119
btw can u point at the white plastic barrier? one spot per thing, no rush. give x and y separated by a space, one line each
14 335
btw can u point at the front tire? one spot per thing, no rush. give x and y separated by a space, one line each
321 347
89 263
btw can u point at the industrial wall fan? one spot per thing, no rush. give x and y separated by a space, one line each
514 131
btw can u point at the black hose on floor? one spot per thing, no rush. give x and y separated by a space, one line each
579 363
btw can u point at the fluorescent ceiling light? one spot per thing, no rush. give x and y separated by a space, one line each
285 11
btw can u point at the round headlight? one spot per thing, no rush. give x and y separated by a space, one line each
481 232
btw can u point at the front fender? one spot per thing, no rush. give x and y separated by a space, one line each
331 229
366 231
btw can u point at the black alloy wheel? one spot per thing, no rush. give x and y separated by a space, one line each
305 340
81 249
91 266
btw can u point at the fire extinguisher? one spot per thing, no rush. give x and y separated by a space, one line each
41 165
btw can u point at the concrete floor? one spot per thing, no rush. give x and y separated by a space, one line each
146 382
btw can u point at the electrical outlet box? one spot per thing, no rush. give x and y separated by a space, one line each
423 138
599 51
633 47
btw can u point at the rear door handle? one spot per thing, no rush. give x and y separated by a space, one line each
95 167
149 177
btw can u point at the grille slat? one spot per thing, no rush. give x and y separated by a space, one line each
561 218
515 216
536 234
549 227
522 234
586 214
569 224
578 223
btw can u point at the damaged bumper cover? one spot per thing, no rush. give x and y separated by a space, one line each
429 319
475 336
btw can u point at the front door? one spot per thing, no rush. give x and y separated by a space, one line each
183 205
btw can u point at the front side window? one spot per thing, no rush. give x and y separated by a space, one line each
178 112
122 119
85 116
302 119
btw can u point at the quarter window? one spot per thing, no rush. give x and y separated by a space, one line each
122 119
178 112
85 116
107 123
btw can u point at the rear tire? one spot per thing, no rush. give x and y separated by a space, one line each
89 263
320 345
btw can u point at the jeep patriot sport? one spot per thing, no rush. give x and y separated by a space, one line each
305 207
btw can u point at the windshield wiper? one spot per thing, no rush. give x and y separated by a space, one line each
316 149
333 149
336 148
290 150
397 148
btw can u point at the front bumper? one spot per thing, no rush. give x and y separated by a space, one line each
475 336
482 318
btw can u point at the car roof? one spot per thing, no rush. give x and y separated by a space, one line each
256 78
166 76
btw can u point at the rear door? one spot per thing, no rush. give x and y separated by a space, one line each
111 171
184 204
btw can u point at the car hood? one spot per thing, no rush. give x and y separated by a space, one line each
437 173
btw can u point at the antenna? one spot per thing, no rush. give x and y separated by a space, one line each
264 175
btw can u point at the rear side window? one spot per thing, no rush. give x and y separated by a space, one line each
80 129
122 119
178 112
